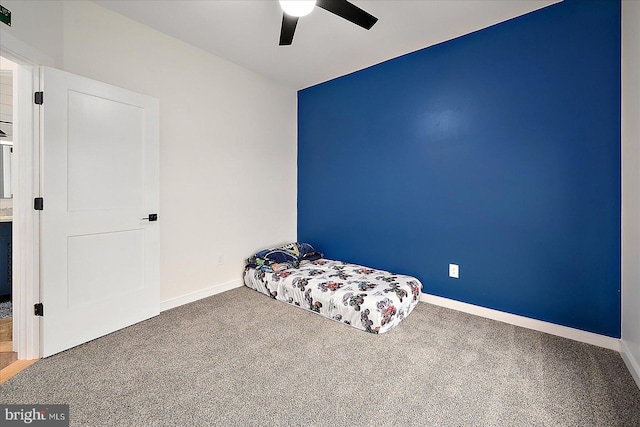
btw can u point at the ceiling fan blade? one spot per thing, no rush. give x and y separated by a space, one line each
348 11
288 29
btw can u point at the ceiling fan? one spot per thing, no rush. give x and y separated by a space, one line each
293 9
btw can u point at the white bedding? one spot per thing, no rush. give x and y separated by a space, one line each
368 299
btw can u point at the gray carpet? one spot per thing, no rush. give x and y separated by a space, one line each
240 358
5 309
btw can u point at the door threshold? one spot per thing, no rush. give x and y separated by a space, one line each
14 368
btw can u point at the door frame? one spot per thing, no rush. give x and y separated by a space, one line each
26 181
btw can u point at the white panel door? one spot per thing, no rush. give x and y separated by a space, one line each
99 255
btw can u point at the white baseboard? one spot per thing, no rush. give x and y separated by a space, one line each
197 295
525 322
633 364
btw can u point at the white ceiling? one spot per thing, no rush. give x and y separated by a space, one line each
325 46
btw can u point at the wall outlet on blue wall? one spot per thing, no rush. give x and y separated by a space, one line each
454 271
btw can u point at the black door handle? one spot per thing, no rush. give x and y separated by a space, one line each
151 218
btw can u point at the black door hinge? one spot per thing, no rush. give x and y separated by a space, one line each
38 309
38 203
38 98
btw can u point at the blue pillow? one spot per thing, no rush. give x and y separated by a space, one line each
291 252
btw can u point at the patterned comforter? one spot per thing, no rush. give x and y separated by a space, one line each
368 299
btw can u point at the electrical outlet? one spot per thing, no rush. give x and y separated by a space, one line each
454 271
220 259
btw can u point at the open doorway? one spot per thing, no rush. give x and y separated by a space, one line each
8 83
25 186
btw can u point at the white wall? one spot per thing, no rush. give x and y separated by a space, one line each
37 23
630 344
227 139
227 144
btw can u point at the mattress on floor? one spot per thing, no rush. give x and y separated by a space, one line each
365 298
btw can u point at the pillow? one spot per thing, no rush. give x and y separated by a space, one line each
289 253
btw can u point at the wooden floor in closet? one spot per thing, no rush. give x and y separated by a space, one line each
9 363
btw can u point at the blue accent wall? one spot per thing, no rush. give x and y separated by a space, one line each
498 151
